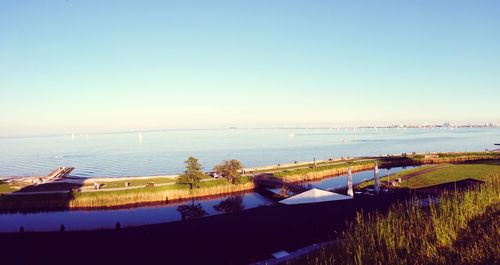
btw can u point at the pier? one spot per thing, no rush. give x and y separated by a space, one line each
59 173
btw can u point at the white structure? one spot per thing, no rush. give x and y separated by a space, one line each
350 192
314 196
375 177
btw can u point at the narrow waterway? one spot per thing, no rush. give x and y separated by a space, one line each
101 219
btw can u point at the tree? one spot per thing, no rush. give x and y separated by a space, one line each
230 170
193 173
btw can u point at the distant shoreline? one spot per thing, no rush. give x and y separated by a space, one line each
423 127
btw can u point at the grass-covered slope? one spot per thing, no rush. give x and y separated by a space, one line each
462 228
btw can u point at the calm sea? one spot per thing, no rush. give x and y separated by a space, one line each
160 153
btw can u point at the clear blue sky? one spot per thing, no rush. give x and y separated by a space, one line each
88 66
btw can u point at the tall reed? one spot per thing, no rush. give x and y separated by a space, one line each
150 195
314 173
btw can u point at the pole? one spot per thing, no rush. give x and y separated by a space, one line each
375 177
350 192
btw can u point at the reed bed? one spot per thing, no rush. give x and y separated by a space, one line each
107 199
314 173
114 199
459 158
460 228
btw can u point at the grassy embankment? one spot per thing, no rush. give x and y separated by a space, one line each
339 168
462 228
312 173
137 182
157 194
107 199
480 170
86 184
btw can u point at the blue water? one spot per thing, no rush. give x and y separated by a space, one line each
160 153
341 181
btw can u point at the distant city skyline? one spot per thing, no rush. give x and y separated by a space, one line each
103 66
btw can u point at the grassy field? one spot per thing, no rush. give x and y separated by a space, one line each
136 182
399 174
439 174
481 171
462 228
455 155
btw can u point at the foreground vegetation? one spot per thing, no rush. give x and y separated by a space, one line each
461 228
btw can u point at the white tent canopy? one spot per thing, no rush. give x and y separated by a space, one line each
313 196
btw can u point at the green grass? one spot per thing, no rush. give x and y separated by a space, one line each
461 154
452 173
462 228
399 174
443 174
204 184
137 182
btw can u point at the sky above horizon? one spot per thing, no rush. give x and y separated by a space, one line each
93 66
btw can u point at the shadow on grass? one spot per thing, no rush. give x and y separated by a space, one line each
478 242
492 162
460 185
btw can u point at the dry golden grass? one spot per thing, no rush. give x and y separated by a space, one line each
150 195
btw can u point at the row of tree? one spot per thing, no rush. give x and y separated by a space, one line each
193 174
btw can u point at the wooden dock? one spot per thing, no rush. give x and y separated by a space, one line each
60 173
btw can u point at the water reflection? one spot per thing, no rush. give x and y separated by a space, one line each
191 211
341 181
230 205
99 219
